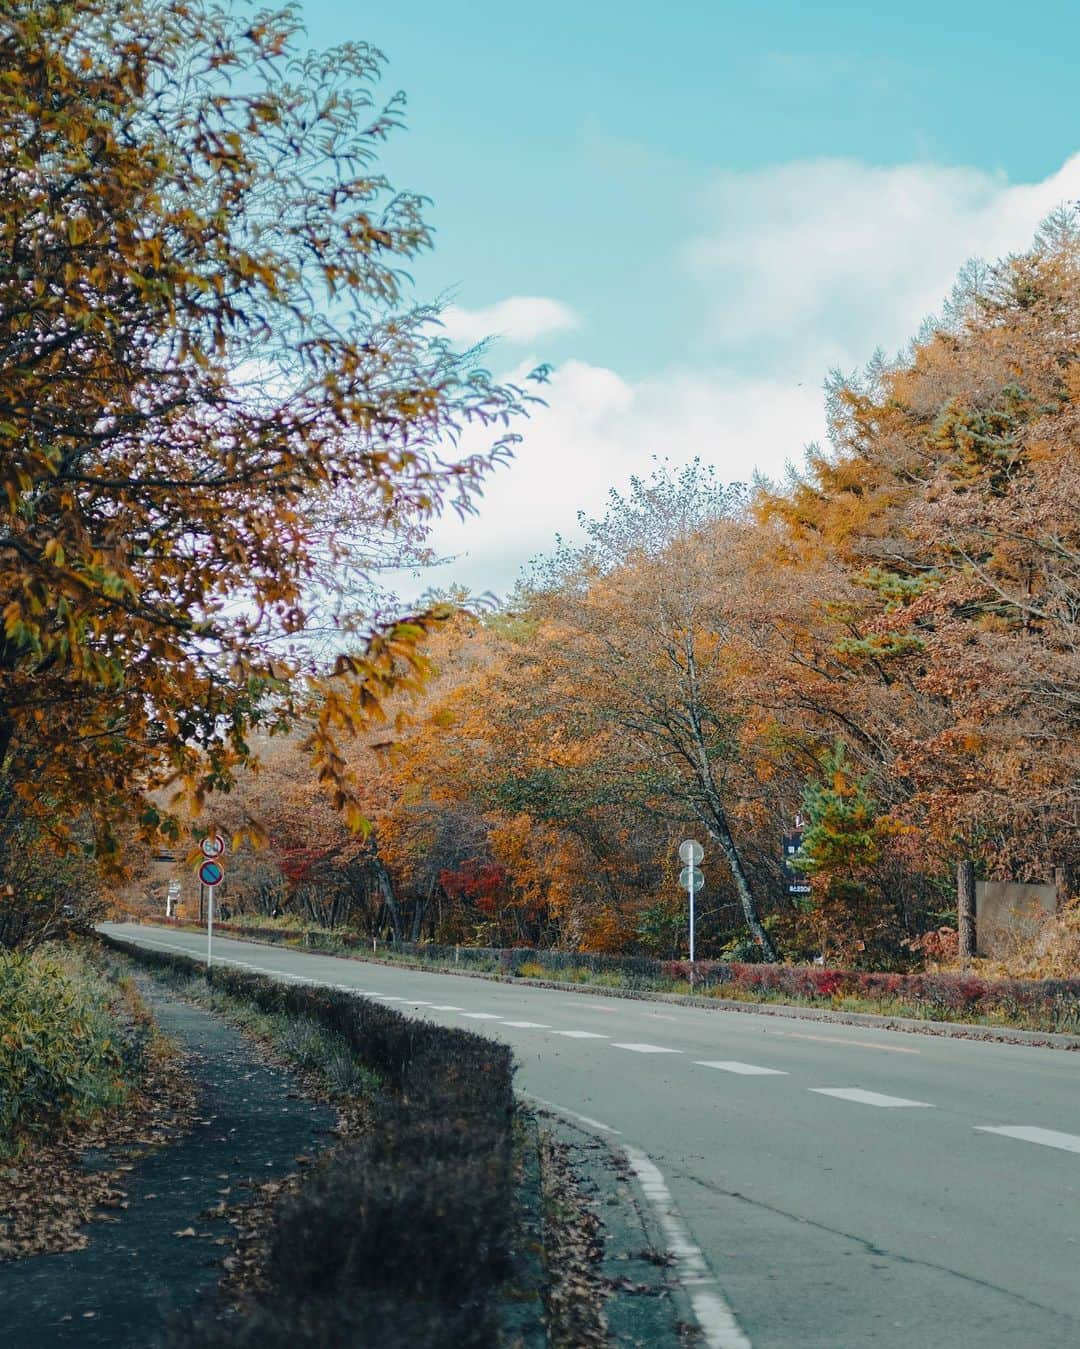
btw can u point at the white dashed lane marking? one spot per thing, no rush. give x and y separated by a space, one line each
1029 1133
646 1049
444 1007
869 1097
746 1069
528 1025
482 1016
582 1035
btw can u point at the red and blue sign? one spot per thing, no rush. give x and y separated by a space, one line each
211 873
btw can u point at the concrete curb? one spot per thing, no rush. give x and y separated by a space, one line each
955 1030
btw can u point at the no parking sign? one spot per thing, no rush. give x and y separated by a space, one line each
211 873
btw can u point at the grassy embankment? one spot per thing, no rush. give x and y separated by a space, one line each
74 1044
397 1236
973 997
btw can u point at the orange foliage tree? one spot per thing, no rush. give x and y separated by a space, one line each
214 393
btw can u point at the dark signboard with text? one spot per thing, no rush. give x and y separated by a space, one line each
795 882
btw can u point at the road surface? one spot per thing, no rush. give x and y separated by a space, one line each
834 1185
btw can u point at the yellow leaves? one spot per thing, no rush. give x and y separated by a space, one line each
54 552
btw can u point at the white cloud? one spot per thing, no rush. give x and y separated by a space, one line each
804 266
596 432
521 318
818 262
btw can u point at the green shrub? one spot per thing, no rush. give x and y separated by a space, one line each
63 1055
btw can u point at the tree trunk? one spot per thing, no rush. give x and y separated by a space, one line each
418 919
965 908
385 887
716 824
714 816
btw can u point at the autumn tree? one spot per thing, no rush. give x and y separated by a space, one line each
947 510
214 392
638 634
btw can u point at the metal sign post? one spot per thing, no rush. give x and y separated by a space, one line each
211 874
691 879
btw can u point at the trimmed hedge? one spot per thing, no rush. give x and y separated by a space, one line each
402 1235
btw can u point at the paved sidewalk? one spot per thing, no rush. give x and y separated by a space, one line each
136 1276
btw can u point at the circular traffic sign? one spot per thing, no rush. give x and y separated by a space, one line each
211 873
691 852
213 845
685 876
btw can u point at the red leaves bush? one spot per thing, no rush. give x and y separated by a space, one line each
1044 1004
1047 1004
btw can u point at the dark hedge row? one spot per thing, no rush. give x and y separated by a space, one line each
401 1236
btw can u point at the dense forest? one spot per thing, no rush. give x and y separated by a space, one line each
886 644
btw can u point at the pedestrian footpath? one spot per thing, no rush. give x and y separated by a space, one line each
159 1258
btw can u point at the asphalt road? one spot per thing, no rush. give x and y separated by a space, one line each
847 1186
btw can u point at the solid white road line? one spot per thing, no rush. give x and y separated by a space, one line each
646 1049
868 1097
570 1114
528 1025
716 1319
582 1035
747 1069
719 1327
1029 1133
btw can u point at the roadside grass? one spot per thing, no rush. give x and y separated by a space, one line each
75 1042
399 1236
296 1039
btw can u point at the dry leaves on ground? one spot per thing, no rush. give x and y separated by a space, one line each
574 1249
47 1195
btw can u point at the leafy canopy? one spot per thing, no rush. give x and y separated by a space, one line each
205 347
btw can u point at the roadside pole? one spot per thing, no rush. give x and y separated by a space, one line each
691 924
690 878
211 874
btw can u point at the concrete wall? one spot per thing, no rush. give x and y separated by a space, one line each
1007 911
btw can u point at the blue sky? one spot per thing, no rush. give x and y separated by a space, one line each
694 210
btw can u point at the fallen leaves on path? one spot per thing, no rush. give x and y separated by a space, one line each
573 1247
48 1195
